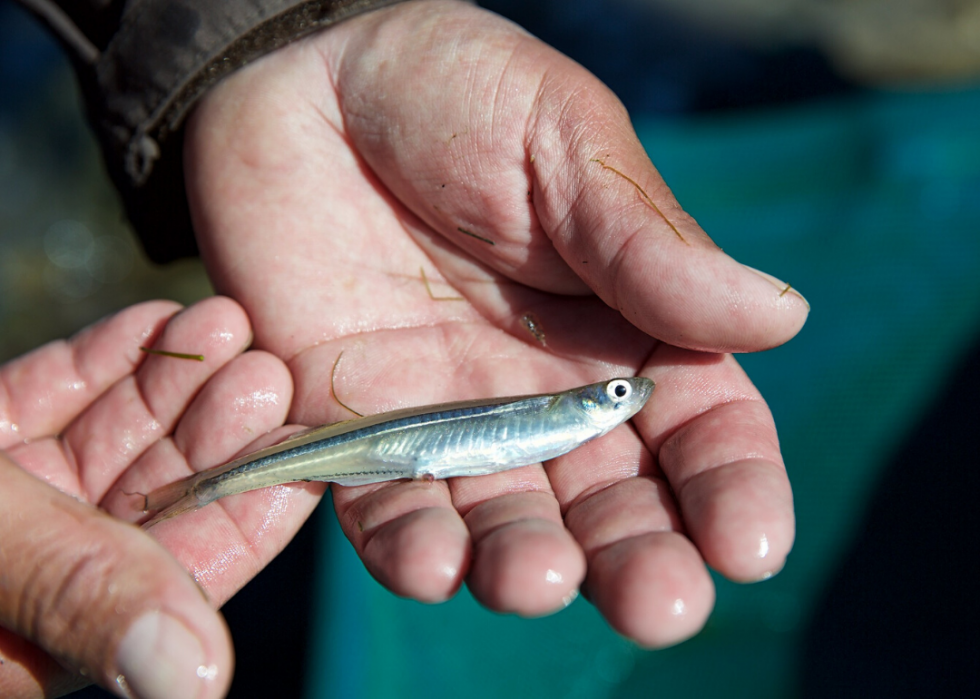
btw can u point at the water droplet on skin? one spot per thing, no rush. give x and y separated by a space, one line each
256 399
553 576
450 572
763 549
276 507
207 672
212 570
678 608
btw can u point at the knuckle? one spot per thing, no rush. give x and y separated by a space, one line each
69 595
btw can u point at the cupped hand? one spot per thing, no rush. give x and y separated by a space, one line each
456 211
85 596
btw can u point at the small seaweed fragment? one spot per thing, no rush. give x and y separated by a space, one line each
333 390
175 355
644 195
425 280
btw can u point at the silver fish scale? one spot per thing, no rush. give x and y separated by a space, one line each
482 445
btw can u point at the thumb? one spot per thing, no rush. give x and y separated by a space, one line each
101 597
614 221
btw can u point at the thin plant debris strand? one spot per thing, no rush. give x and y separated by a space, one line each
333 390
463 230
175 355
783 287
425 280
474 235
646 197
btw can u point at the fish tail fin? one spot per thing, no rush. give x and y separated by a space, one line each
185 504
172 499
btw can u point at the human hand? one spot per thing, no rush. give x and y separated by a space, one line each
80 422
435 136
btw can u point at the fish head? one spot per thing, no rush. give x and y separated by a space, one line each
610 403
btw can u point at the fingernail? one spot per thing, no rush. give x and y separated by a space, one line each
159 657
783 287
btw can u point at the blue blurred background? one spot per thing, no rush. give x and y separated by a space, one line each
867 199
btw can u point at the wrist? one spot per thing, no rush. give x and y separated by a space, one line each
144 65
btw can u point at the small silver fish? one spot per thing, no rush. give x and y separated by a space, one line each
469 438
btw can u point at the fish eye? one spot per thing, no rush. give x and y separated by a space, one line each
619 389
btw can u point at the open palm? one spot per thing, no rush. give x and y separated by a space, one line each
455 211
88 416
435 139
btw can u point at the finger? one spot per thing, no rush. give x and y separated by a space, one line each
141 409
41 392
524 560
27 671
614 221
102 598
224 544
643 574
717 445
408 535
652 588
